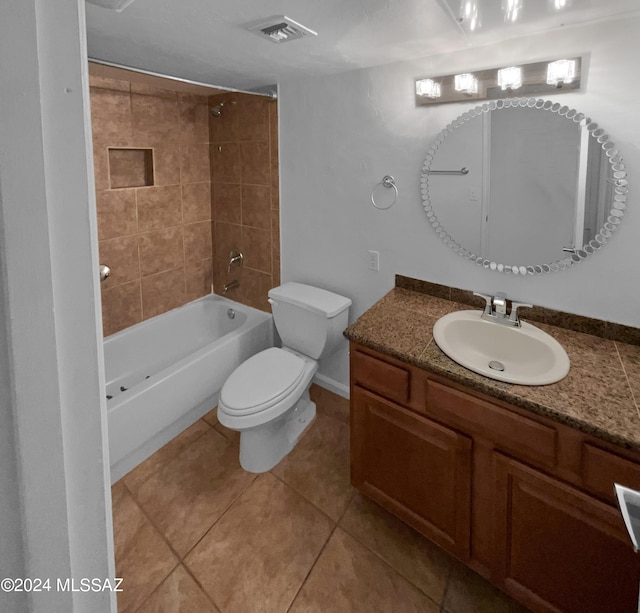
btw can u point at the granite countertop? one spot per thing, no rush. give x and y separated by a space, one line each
598 396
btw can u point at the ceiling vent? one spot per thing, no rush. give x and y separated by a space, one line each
280 29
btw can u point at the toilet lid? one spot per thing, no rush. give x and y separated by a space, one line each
261 381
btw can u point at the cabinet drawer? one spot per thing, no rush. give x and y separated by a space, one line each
379 376
530 440
601 469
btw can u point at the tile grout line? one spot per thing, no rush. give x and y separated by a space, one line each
387 563
293 600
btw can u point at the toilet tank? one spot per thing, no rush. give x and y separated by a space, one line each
309 319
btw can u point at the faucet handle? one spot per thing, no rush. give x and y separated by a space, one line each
488 300
513 315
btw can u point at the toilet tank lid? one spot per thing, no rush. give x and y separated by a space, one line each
311 298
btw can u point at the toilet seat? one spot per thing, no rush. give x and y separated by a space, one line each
261 382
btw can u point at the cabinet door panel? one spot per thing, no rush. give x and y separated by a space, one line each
419 470
558 549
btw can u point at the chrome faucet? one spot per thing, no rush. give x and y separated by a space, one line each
495 309
229 286
235 259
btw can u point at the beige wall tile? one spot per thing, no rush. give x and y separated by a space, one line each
198 278
196 202
227 202
161 250
253 124
253 289
111 117
121 307
162 292
116 213
256 206
256 244
275 233
150 90
224 128
197 241
255 165
194 118
106 83
194 166
159 207
121 256
155 118
166 163
101 165
225 163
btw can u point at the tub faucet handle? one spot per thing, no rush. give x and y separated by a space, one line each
235 259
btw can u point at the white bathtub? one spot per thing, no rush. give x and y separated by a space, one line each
165 373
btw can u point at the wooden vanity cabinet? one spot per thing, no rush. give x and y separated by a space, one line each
525 501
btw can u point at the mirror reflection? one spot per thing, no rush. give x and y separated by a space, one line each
524 186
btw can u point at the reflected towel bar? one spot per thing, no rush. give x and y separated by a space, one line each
462 171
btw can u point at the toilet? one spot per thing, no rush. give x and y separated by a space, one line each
266 398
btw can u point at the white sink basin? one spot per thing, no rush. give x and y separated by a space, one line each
525 355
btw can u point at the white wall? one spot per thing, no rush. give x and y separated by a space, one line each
51 375
340 135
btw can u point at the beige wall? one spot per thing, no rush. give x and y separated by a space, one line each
155 239
245 192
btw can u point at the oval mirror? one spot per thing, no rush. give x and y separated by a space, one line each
524 186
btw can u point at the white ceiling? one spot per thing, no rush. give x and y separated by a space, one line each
206 40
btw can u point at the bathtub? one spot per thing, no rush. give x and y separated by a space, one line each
165 373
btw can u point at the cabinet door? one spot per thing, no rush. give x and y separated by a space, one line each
558 549
416 468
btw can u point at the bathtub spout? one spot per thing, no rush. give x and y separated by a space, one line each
229 286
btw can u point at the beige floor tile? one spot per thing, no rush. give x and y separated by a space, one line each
212 417
328 403
258 554
155 462
412 555
187 495
179 593
349 578
231 435
323 452
143 559
468 592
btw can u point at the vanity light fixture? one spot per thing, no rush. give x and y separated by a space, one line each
429 88
510 78
561 72
548 77
466 83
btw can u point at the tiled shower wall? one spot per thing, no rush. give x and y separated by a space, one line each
245 192
155 238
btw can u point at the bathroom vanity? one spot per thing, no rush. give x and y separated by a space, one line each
515 481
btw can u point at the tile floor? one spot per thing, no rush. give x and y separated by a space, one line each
194 533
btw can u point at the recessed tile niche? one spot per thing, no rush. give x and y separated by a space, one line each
130 167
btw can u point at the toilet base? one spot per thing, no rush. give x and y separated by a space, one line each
263 447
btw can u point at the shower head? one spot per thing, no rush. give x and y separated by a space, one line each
216 111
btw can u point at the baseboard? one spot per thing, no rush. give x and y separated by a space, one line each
332 385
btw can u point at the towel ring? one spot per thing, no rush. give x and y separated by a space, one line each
389 182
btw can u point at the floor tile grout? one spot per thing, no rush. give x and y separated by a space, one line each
293 600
